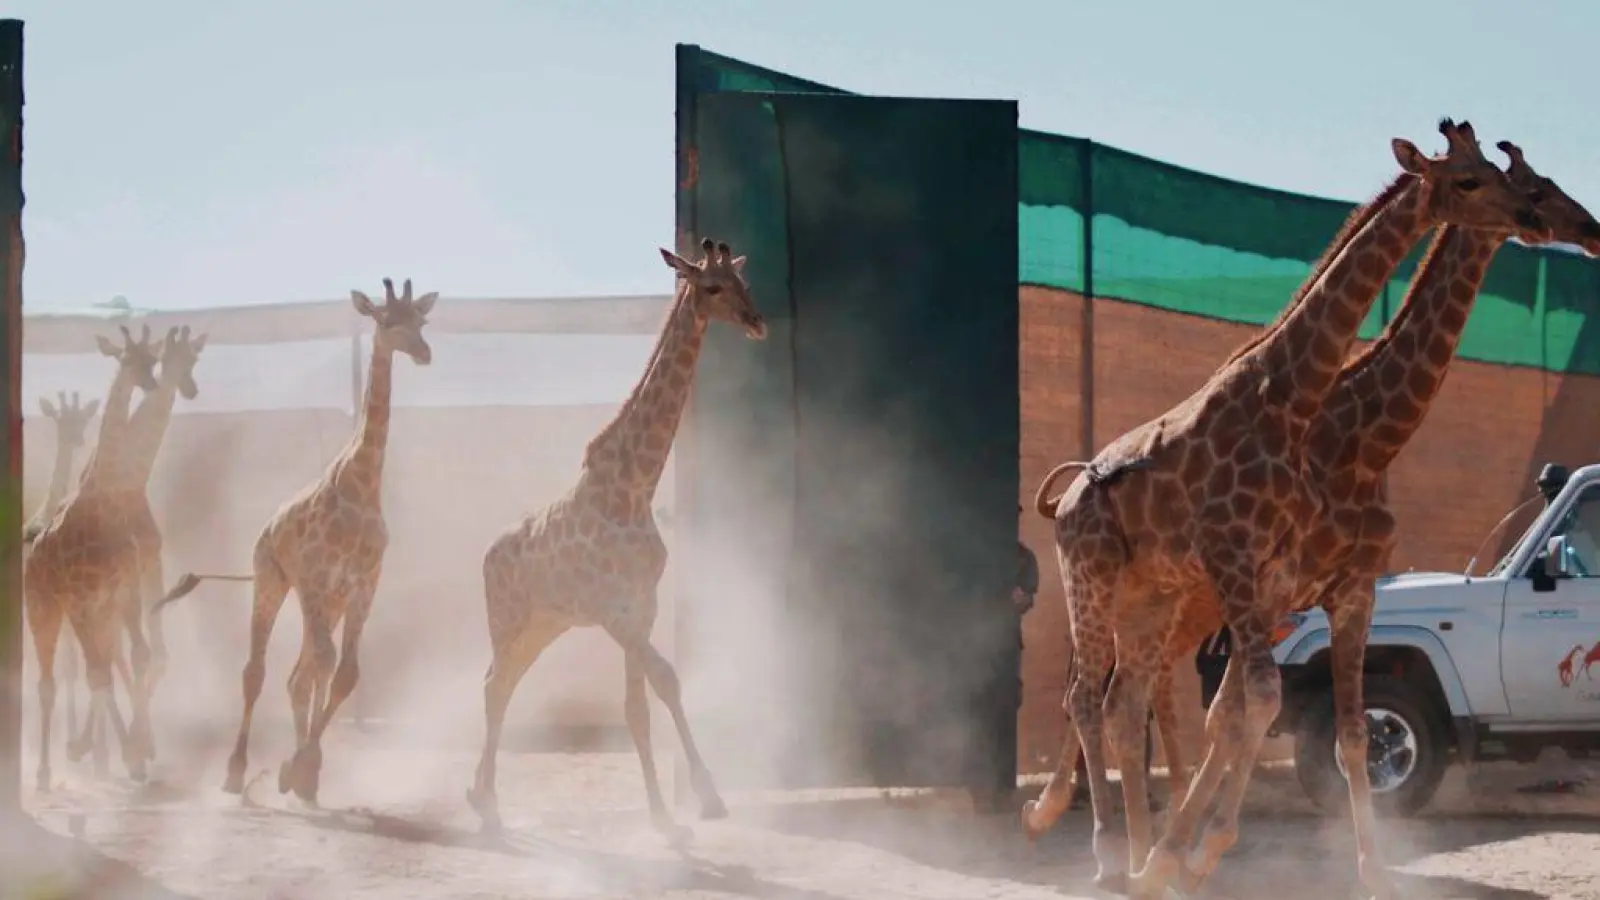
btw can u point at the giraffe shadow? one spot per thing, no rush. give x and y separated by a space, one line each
1305 855
633 875
40 864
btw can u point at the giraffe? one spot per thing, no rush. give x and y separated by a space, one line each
1211 496
78 565
1040 814
71 417
595 556
147 429
327 544
1377 403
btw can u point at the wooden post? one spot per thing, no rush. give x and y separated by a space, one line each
11 367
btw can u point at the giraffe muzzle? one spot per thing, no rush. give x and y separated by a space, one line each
755 327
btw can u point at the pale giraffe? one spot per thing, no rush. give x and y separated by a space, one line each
79 565
141 445
1211 497
1378 402
595 557
71 418
327 544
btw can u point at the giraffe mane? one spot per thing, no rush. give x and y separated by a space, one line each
679 298
1358 219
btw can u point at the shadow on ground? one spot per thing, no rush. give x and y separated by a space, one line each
1301 855
39 864
612 872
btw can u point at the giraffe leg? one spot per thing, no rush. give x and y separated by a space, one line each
152 584
1127 717
1350 614
69 679
305 768
270 588
98 640
139 654
318 656
44 617
1262 692
512 659
1164 704
664 681
1089 598
1041 814
1224 731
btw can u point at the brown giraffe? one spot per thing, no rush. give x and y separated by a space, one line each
1379 402
327 544
141 444
79 565
1376 405
594 557
1211 497
1040 814
71 417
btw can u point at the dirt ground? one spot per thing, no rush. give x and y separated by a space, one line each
394 824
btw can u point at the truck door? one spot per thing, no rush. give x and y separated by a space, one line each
1550 637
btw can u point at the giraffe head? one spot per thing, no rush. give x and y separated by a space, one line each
71 418
1464 188
717 288
400 320
179 353
1570 222
136 358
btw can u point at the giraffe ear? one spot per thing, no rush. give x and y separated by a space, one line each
48 408
425 303
738 264
363 303
1409 157
106 347
685 268
199 343
90 408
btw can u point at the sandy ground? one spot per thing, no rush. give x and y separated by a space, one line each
394 824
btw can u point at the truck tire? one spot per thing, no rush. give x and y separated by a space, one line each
1400 716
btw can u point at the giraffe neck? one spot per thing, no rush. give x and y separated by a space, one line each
141 442
363 458
100 468
1304 355
1391 384
635 445
60 480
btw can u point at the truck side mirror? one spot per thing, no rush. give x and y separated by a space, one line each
1555 558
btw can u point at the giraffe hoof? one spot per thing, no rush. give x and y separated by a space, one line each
1115 882
1032 828
77 750
234 783
713 808
483 803
286 777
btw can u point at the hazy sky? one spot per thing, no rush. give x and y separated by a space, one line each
209 152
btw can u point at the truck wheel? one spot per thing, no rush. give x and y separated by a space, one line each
1405 760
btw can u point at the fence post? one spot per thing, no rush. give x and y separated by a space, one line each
11 365
1086 338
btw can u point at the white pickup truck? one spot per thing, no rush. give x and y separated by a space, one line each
1459 667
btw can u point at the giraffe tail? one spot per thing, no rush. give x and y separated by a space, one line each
188 583
1043 503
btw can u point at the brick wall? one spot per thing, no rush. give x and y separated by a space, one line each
1475 457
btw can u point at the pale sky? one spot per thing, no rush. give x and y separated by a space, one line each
214 152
